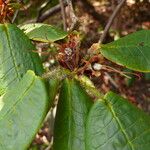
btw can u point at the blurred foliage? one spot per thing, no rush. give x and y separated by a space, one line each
31 9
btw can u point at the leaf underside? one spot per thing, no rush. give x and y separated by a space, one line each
131 51
43 32
22 110
16 56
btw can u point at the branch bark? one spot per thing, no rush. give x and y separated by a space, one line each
50 12
111 19
72 15
63 14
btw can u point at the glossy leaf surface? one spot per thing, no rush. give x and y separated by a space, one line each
115 124
43 32
72 111
22 110
16 56
131 51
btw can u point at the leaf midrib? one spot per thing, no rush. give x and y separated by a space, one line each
112 46
11 52
70 115
110 107
19 100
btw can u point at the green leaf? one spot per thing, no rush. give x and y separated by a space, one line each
132 51
22 110
43 32
16 56
72 111
115 124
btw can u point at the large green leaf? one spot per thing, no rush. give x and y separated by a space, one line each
115 124
22 110
43 32
132 51
16 56
72 111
